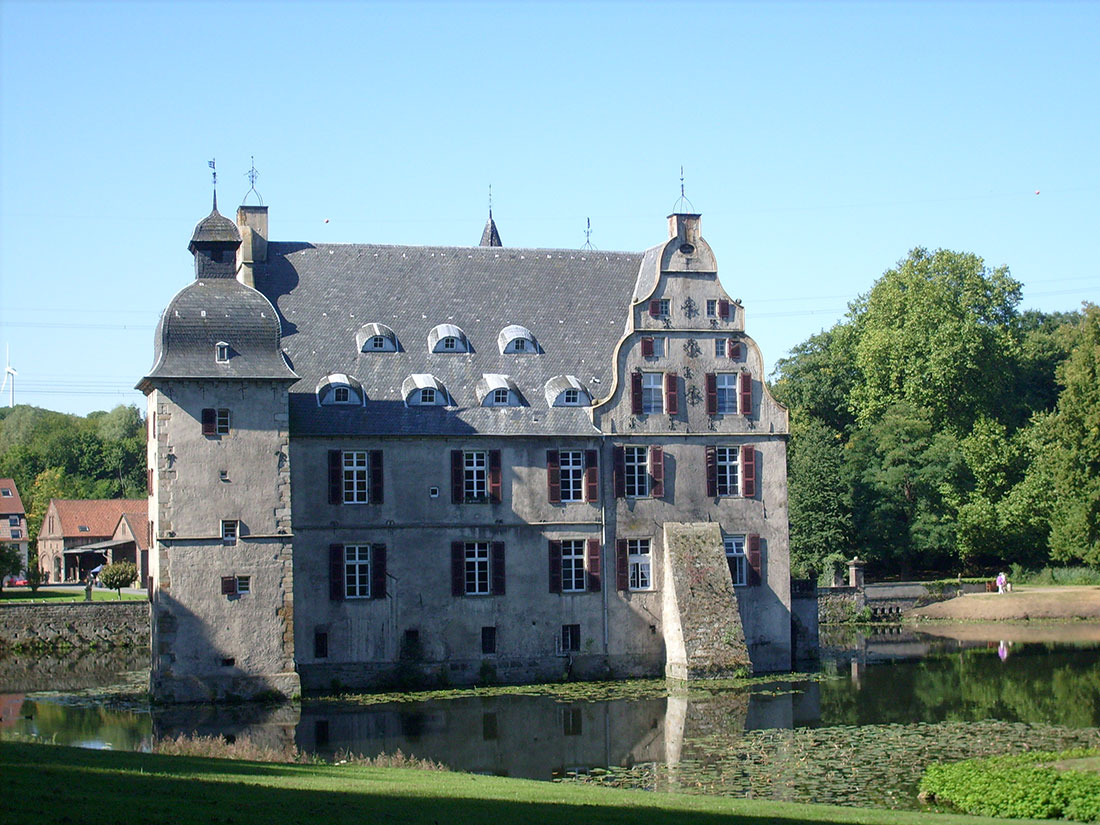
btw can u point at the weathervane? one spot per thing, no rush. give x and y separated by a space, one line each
678 208
252 175
214 182
588 235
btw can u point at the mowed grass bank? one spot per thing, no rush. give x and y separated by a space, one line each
49 784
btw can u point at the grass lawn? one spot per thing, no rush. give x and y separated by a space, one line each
57 595
49 784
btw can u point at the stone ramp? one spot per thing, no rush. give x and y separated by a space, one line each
704 638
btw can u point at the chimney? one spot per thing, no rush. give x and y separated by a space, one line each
252 223
685 227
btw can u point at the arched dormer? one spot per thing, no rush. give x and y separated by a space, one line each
566 391
447 338
498 391
517 339
339 389
424 390
375 338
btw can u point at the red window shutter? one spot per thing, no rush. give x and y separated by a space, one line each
636 393
378 571
620 472
555 567
734 349
376 477
229 585
496 562
335 477
647 348
494 476
723 309
209 421
458 568
672 400
712 471
657 471
457 494
748 471
553 477
745 385
336 572
622 571
655 309
591 476
753 555
593 554
710 382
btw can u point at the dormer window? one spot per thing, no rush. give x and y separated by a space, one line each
498 391
377 342
339 388
5 492
566 391
221 352
517 339
500 397
447 338
424 390
376 338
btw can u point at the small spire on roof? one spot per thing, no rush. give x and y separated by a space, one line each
682 202
490 236
214 182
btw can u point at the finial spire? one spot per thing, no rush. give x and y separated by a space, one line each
252 175
490 236
588 235
214 181
683 201
490 201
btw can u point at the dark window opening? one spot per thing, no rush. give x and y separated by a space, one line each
320 646
488 640
570 638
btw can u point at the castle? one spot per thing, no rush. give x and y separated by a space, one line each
470 463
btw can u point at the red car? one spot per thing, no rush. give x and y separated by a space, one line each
17 583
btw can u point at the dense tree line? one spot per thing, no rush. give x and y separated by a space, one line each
937 427
56 455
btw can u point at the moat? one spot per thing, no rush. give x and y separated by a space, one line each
859 732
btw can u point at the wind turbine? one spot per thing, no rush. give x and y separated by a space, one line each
9 375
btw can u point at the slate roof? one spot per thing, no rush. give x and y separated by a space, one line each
215 228
10 505
206 312
99 515
575 303
490 236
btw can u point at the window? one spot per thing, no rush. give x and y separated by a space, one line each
477 568
636 466
474 476
735 558
659 308
488 640
572 566
341 395
638 564
229 531
570 638
222 423
653 347
728 475
16 533
221 352
378 342
450 343
13 521
726 386
5 492
572 475
720 347
427 394
653 398
320 644
215 422
712 307
356 477
357 571
519 345
244 584
571 397
500 396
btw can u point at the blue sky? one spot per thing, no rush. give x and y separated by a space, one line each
820 142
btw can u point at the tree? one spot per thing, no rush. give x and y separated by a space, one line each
11 562
1073 463
938 333
118 575
819 498
818 377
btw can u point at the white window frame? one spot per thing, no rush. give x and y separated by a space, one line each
222 421
653 393
728 470
450 344
5 492
475 574
636 471
639 564
427 395
572 566
13 521
221 352
358 560
244 585
231 531
571 474
725 384
664 308
501 397
712 307
519 344
475 475
341 395
735 550
378 342
571 398
16 532
356 476
721 348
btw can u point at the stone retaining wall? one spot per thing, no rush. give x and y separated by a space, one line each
80 624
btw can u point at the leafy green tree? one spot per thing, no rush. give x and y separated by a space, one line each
118 575
819 498
938 333
1073 465
11 562
818 377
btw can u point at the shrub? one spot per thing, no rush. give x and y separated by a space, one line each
1020 786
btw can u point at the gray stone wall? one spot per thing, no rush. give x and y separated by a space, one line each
80 624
